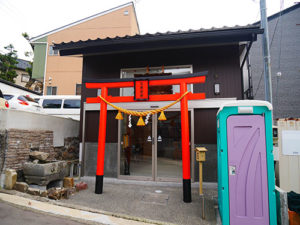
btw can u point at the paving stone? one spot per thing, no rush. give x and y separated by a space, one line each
21 186
58 193
33 191
44 193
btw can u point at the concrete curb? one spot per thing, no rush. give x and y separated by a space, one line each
74 212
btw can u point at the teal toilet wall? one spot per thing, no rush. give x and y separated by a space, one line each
223 185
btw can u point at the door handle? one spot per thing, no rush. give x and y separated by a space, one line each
232 170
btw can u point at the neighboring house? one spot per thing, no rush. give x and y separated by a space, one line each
155 150
284 37
63 75
23 77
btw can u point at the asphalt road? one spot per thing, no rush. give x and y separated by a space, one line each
10 215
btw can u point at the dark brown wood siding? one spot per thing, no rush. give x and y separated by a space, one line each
221 62
205 126
92 127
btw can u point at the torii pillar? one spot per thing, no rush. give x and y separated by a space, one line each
183 81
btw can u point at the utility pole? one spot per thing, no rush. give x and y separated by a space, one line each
266 51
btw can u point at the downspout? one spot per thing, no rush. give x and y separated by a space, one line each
250 83
243 62
45 69
247 53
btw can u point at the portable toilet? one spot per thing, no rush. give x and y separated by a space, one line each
246 182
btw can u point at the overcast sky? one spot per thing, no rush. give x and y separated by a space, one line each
36 16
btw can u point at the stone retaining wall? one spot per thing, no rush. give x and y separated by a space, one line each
2 149
15 146
20 142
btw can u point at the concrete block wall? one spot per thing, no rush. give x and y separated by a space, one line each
110 162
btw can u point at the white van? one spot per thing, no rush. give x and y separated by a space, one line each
67 106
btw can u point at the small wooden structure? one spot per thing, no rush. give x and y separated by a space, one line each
200 157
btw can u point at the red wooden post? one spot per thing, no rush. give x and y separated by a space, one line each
185 143
101 144
183 81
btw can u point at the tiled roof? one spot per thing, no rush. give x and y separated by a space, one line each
211 35
23 64
159 34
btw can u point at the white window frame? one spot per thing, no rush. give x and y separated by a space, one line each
51 87
52 51
189 66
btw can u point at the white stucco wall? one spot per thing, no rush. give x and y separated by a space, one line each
7 89
61 127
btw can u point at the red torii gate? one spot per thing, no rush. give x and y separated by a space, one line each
141 86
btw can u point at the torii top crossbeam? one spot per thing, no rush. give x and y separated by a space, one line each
141 93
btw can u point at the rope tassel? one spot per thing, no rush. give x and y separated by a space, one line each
119 116
140 122
162 116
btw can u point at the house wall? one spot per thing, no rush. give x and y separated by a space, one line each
284 39
18 79
205 135
222 64
9 88
66 72
38 66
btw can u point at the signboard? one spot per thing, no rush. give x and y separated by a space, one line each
291 142
141 90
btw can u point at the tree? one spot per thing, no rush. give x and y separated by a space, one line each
8 62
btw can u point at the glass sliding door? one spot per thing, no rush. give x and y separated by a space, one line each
168 154
152 152
136 149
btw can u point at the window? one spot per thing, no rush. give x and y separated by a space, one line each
8 97
171 70
52 103
22 98
25 78
51 90
72 104
52 51
30 99
78 89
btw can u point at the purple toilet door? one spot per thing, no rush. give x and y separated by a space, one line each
247 168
